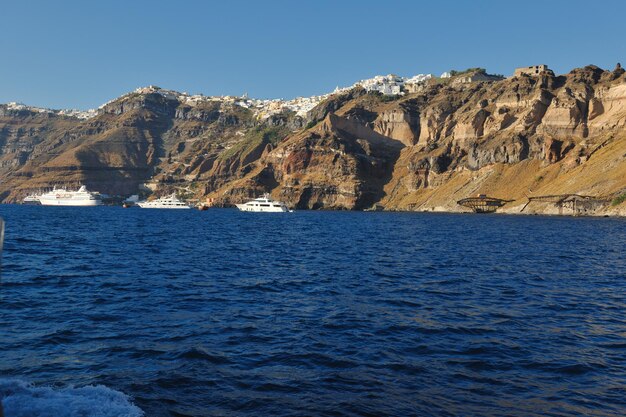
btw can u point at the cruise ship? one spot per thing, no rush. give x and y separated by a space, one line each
170 202
264 205
63 197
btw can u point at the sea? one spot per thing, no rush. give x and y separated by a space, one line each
112 312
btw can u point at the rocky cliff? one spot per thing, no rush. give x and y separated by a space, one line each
516 138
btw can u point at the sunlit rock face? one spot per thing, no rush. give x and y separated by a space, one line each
423 149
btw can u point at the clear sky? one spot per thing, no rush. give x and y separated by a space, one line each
80 54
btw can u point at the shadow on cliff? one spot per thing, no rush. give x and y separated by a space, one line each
349 155
115 160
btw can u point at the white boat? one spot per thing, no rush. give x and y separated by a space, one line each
32 199
63 197
170 202
263 205
130 201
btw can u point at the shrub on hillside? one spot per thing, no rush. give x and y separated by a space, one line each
619 199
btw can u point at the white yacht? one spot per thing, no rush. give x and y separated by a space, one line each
32 199
63 197
170 202
263 204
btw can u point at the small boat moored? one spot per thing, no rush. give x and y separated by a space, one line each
130 201
32 199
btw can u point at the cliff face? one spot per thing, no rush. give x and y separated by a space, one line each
519 137
515 138
140 139
338 164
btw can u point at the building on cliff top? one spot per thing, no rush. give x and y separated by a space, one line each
392 84
476 77
534 70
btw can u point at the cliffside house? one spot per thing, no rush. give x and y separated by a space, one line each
386 84
534 70
414 87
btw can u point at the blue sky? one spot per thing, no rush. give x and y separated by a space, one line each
80 54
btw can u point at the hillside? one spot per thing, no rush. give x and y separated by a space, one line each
446 139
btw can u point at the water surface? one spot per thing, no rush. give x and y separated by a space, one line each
188 313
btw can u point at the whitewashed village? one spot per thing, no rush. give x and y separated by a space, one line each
389 85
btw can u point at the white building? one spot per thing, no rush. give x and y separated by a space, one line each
390 85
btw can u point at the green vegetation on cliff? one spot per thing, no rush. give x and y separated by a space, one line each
619 200
255 138
468 71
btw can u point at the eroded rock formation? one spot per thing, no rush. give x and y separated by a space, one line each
421 151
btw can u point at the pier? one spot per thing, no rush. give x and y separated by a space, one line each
577 204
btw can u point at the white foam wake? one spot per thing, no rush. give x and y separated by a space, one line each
21 399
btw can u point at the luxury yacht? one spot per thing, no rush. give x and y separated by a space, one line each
170 202
263 204
63 197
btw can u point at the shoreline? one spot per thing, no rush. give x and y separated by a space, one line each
620 214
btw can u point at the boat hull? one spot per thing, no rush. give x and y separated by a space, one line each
31 202
243 207
153 206
77 203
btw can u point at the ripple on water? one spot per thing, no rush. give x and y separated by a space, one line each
220 313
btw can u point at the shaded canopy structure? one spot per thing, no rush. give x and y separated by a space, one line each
482 203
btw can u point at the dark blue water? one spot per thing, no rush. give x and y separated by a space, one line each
188 313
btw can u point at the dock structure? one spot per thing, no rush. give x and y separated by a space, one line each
482 203
578 204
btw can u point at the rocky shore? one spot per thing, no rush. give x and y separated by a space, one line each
516 139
